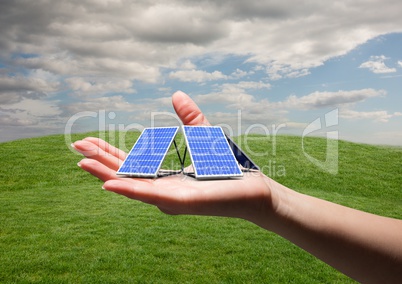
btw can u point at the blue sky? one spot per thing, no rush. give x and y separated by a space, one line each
254 67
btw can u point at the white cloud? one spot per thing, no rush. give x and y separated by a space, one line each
187 64
113 103
244 85
34 108
197 76
55 63
13 120
83 87
298 73
330 99
379 116
26 84
234 95
229 100
278 71
35 85
240 74
33 118
400 63
377 65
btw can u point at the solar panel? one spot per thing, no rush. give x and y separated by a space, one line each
148 153
210 152
240 156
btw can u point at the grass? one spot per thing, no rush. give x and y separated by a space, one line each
57 225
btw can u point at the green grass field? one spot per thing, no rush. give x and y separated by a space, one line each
59 226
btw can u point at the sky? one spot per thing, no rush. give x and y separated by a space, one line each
269 67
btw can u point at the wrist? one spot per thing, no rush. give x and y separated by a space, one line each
276 206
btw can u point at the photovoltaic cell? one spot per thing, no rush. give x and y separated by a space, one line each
148 153
210 152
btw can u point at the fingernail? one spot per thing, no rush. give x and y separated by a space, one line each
79 164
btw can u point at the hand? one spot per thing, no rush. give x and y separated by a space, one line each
248 198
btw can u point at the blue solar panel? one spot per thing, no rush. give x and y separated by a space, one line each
210 152
147 154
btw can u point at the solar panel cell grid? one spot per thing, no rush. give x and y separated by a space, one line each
210 152
147 154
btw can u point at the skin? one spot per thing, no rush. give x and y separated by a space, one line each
363 246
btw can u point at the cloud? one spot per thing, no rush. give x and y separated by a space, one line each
253 111
79 50
246 85
183 24
139 111
330 99
33 118
377 65
190 74
134 40
59 63
234 95
187 64
34 108
278 71
234 100
238 73
379 116
112 103
98 87
35 85
21 84
198 76
11 120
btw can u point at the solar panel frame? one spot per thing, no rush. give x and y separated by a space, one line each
147 154
210 153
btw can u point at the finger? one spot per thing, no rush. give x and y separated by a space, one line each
187 110
92 151
97 169
107 147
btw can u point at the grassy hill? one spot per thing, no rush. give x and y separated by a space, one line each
57 225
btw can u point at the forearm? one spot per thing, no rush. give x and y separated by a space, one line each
363 246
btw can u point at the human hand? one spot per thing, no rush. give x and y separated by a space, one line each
248 197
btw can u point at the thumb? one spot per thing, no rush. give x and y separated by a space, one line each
187 110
